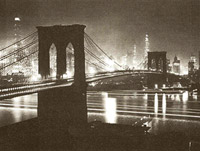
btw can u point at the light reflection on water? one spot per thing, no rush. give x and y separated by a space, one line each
164 105
168 111
110 110
156 104
18 109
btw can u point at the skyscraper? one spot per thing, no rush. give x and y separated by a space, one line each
17 35
176 65
146 50
169 66
192 66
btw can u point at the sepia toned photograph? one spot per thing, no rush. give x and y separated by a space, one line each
99 75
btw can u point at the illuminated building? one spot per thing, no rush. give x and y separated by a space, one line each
192 68
176 65
192 65
17 67
169 66
128 61
17 36
146 50
134 57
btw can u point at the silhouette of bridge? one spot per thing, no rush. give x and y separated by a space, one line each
32 61
62 100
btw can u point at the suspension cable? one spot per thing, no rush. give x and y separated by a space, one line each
19 60
19 50
19 41
93 64
102 50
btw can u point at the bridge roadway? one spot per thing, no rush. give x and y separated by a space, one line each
34 88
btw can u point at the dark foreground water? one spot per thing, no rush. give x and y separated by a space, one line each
169 112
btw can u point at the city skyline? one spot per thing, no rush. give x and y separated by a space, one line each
115 30
100 75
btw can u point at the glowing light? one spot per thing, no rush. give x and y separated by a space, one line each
164 86
185 96
173 97
110 108
15 71
64 76
156 103
145 96
17 19
92 84
177 97
183 70
92 70
104 94
164 104
69 74
110 66
156 86
35 77
54 74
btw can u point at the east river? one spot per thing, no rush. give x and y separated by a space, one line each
169 112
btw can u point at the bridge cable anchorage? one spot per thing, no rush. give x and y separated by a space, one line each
87 36
28 36
19 50
19 60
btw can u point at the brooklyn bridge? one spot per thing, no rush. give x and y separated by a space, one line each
69 74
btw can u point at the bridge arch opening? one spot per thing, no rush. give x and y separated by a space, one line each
53 60
70 61
153 64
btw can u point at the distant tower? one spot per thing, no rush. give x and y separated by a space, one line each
146 50
17 35
134 56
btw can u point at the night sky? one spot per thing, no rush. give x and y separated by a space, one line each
172 25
